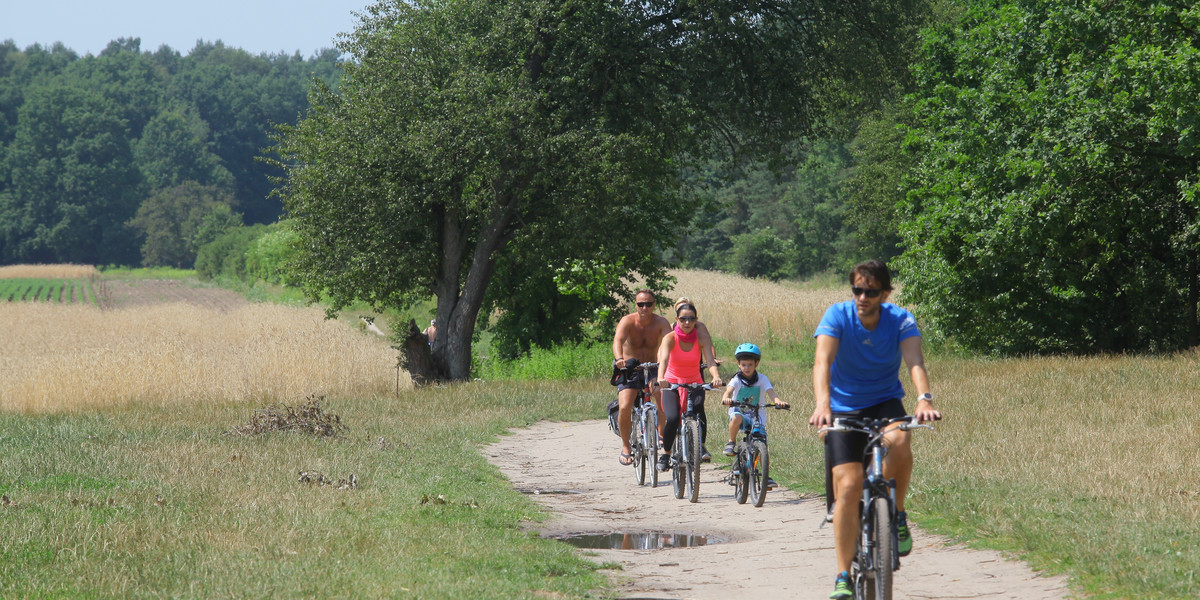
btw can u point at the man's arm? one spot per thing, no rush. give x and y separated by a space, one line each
827 347
914 357
618 347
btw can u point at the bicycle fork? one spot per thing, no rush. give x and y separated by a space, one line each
875 486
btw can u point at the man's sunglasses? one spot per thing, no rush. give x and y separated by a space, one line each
870 293
645 304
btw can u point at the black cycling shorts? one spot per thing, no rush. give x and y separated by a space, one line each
632 379
847 447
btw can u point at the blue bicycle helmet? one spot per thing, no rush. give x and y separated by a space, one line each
747 351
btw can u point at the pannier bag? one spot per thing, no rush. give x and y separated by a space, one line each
614 408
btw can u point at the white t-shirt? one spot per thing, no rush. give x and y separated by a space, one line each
753 394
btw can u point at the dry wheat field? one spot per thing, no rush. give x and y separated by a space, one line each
65 357
738 309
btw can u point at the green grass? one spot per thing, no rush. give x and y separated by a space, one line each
146 502
115 272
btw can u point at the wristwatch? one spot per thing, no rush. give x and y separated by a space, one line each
926 397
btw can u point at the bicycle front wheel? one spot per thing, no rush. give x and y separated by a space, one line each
741 474
679 470
758 467
650 431
692 431
879 587
637 448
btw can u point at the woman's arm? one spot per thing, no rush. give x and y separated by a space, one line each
664 355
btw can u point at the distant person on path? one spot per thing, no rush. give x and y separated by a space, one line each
431 332
860 344
637 337
679 357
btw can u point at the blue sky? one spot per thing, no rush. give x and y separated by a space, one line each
257 26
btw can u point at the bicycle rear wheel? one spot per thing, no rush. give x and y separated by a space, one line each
638 449
758 467
650 431
692 431
879 580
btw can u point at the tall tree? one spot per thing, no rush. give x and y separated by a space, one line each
73 181
1055 206
474 138
171 220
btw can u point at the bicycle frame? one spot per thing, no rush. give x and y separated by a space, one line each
685 457
877 508
644 421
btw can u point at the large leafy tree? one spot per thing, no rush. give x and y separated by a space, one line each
1056 202
73 180
475 143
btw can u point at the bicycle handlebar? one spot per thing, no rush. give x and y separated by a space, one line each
736 404
873 427
706 386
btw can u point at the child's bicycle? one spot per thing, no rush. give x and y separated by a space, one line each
876 557
685 471
749 472
643 436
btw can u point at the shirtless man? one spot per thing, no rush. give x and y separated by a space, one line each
638 336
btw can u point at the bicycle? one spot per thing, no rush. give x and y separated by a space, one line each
751 461
643 435
685 473
876 557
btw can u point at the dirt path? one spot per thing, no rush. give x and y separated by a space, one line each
771 552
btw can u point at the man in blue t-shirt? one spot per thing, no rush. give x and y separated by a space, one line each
856 372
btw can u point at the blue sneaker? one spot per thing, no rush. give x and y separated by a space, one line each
903 536
842 590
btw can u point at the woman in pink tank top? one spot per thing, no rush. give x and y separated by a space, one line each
679 358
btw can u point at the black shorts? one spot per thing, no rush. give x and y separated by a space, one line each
632 379
847 447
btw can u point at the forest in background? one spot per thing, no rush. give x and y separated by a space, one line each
136 157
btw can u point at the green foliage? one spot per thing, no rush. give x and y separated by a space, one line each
172 218
475 146
73 180
762 254
267 256
1054 208
85 140
226 255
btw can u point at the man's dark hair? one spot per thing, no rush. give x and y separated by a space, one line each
645 291
873 270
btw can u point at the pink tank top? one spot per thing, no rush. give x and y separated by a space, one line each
684 366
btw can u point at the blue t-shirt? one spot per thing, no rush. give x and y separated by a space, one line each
866 369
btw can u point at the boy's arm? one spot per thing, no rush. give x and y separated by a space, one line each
727 397
775 397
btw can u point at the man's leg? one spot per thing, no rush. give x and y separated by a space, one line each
625 399
847 489
899 463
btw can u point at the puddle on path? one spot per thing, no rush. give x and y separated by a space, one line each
539 492
652 540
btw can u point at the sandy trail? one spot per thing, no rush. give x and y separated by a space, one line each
776 551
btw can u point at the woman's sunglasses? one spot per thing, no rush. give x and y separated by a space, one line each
870 293
686 319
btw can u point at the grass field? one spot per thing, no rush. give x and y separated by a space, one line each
117 483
